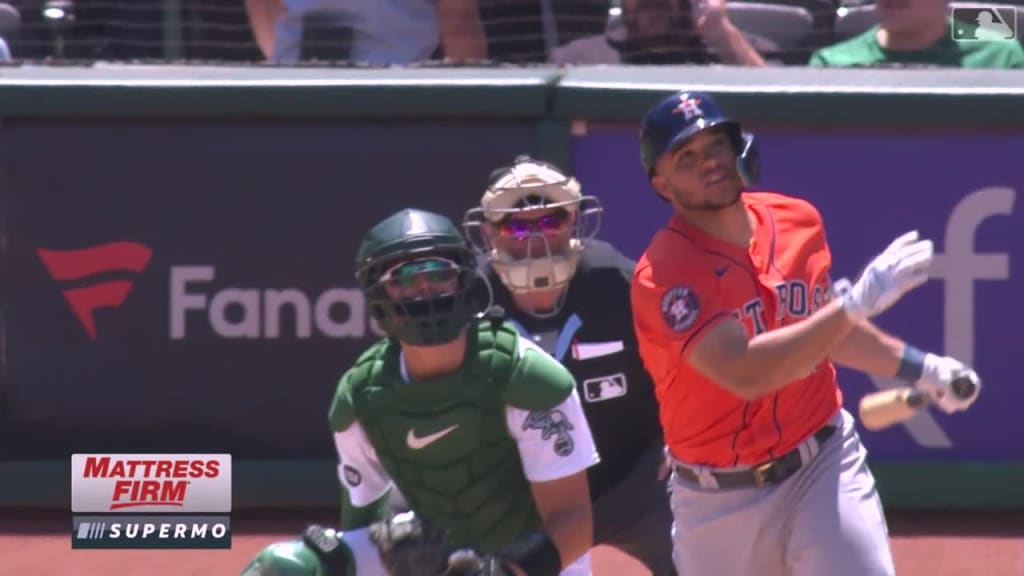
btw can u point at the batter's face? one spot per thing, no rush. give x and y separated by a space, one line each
535 233
701 174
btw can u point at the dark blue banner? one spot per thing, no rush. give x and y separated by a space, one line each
190 287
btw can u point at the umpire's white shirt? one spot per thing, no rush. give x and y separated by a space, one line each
540 462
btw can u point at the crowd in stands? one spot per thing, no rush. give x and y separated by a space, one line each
521 32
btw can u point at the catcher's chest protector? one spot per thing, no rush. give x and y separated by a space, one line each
445 442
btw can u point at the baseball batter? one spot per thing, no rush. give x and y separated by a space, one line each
480 429
737 325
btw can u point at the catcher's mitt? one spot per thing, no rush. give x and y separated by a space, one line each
411 547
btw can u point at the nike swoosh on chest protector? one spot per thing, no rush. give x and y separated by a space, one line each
418 443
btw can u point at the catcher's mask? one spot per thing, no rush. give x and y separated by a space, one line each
532 225
417 273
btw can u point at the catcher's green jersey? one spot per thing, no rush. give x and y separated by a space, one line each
462 447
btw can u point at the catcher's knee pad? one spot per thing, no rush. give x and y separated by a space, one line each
320 552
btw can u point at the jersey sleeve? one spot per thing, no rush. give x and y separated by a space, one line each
819 272
538 381
553 443
674 303
359 469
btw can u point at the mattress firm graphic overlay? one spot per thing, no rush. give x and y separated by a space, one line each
148 531
151 500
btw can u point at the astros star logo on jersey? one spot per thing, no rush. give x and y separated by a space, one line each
689 107
680 308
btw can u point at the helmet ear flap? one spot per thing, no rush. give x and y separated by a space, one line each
748 160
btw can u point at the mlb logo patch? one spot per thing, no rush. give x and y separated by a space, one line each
604 388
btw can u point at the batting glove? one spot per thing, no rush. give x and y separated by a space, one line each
940 372
902 267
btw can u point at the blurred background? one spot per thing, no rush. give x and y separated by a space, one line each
209 166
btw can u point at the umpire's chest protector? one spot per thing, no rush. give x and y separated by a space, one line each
445 441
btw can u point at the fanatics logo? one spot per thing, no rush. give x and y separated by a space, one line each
77 265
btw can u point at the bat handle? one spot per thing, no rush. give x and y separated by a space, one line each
916 399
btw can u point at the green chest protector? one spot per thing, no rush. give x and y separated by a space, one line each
445 441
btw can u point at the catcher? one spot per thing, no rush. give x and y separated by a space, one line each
481 430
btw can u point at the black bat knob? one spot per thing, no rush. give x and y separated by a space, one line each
964 387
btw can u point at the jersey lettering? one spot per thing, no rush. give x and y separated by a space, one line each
754 310
819 298
782 289
797 299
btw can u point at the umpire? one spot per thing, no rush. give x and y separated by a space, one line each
570 293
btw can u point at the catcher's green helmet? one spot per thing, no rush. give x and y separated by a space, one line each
417 272
285 559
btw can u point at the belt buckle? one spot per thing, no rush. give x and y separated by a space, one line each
761 471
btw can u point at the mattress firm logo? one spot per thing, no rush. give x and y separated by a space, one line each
151 500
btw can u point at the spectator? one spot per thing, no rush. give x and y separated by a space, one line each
10 20
666 32
918 32
378 32
539 31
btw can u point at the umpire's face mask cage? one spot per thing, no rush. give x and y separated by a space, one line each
532 225
426 300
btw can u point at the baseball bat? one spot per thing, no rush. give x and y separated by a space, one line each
883 409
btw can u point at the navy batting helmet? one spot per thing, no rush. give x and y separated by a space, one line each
669 123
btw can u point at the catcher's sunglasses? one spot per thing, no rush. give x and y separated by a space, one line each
522 229
433 270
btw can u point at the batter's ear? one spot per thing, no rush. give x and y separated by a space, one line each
661 188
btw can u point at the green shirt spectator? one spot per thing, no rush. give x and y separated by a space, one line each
866 50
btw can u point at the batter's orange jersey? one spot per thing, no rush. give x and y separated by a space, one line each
686 282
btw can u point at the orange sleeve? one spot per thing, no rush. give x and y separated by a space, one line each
674 304
805 240
820 261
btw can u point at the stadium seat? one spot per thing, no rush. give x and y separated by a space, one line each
787 27
854 20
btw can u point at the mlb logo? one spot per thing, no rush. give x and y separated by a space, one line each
981 23
604 388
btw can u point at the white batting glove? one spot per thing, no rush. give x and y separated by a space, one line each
937 381
902 267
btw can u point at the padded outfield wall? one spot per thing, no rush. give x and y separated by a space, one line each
223 207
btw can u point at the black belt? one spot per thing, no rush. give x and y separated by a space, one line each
771 472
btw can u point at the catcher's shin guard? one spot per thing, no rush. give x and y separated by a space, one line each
320 552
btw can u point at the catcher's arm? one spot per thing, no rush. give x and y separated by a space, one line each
564 506
365 485
555 445
353 516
